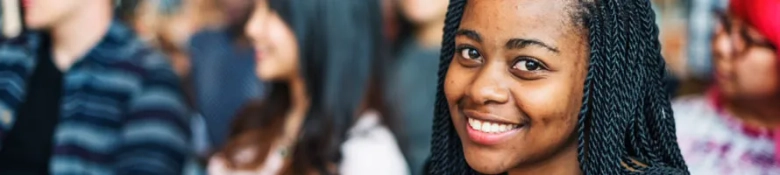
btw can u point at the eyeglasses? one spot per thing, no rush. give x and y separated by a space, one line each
741 36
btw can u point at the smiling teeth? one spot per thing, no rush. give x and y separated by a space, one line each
490 127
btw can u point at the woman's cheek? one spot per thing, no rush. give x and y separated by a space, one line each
546 96
455 83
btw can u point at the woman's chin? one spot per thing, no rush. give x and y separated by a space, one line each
266 75
486 168
486 163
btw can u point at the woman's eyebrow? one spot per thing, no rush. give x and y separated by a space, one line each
515 43
468 33
521 43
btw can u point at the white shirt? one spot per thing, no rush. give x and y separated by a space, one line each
371 149
715 143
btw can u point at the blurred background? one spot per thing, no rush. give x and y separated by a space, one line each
211 53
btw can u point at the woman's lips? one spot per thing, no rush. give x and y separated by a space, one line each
482 137
486 129
258 55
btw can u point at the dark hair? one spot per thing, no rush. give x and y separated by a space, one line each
125 10
338 46
235 27
625 114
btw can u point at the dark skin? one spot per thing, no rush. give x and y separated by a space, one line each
524 63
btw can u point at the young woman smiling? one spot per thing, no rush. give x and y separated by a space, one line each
552 87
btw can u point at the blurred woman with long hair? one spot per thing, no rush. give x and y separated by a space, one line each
319 117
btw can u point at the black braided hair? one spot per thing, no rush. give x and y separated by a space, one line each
625 124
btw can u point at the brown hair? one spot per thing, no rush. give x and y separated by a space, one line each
257 124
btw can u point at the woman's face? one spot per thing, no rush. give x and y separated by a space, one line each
515 83
746 64
275 45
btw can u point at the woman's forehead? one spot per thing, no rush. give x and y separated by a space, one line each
500 20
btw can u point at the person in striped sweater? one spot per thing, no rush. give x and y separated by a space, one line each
81 94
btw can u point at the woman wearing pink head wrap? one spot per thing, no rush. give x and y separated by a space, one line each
735 128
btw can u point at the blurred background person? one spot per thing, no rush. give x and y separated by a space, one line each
319 117
211 55
411 77
83 95
735 127
165 25
223 68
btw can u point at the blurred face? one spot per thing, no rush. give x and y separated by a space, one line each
746 63
275 45
514 86
424 11
147 20
42 14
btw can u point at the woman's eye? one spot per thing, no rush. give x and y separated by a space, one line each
527 65
470 53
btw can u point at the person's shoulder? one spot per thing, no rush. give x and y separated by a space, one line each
691 106
362 156
122 49
372 149
378 139
696 99
369 128
22 46
694 116
150 72
147 63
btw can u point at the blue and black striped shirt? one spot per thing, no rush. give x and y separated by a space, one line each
121 111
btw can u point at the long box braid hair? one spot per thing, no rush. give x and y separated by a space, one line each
625 116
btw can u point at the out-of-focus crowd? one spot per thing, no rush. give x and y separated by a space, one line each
320 86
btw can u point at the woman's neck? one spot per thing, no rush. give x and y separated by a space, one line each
756 113
299 99
430 35
73 37
564 163
299 105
